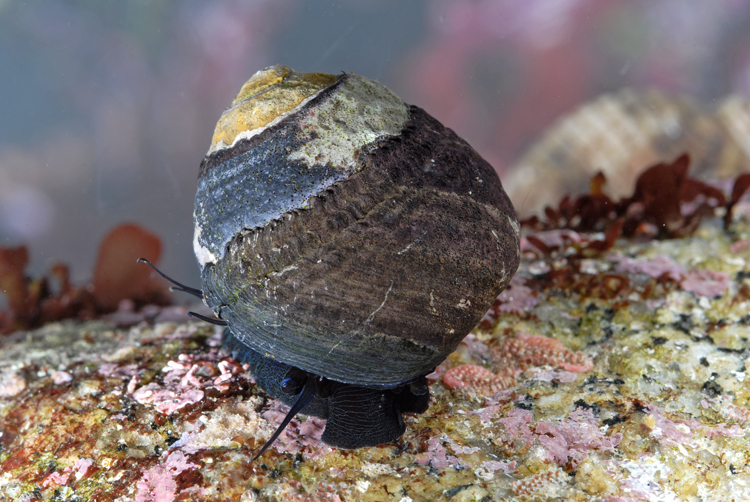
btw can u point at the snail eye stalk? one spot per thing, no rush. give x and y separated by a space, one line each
180 287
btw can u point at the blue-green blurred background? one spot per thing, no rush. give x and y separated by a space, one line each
107 106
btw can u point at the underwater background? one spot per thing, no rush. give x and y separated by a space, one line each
107 107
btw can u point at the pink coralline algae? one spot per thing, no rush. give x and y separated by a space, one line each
731 431
436 455
292 490
477 348
81 467
735 413
78 470
517 426
56 479
656 267
493 466
527 351
740 246
185 382
61 377
516 298
476 379
158 484
12 383
439 371
300 436
665 430
488 413
673 432
568 443
167 401
460 450
552 239
115 370
706 283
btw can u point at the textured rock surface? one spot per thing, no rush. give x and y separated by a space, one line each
617 377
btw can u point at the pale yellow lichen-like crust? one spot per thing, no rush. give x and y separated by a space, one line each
358 113
268 96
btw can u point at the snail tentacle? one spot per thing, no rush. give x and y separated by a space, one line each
303 399
185 290
180 287
218 322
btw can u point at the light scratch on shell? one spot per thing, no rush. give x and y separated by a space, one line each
367 321
372 316
406 248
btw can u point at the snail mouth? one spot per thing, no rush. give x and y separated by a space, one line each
356 416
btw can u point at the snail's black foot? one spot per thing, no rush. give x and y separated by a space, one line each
360 417
356 416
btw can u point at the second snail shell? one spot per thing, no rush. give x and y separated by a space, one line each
622 133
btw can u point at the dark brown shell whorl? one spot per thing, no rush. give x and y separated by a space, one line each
345 233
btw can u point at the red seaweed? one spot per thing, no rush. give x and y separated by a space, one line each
13 282
36 301
666 203
741 184
118 276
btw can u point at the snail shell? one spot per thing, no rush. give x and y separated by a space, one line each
620 134
348 238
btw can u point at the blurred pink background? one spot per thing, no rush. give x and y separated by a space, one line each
107 107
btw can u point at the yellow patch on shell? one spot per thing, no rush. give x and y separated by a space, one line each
268 95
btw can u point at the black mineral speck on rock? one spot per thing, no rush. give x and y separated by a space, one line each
614 420
595 409
712 389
